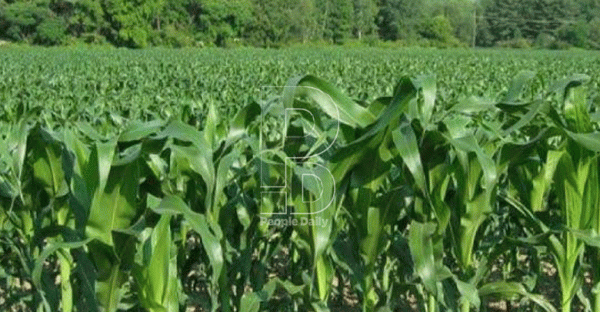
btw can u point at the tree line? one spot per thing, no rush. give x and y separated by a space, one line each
275 23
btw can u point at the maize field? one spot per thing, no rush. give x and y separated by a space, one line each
299 180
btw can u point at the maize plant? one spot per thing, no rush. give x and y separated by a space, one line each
314 199
562 179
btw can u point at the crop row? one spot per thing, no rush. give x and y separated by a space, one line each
309 201
110 86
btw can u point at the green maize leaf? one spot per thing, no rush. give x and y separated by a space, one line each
469 144
578 209
308 112
441 209
567 186
542 183
209 233
319 306
197 157
17 143
421 243
157 274
588 184
80 267
513 107
371 176
590 141
347 157
128 155
65 260
511 290
526 119
458 126
89 131
80 153
378 105
428 87
274 284
158 166
187 159
546 237
492 130
125 243
404 94
324 275
222 179
370 244
241 121
406 144
110 290
47 165
468 292
556 118
595 117
576 110
476 212
180 131
381 213
561 87
210 128
49 250
331 100
99 166
319 206
7 189
473 104
115 206
513 153
80 201
518 86
137 131
250 303
589 236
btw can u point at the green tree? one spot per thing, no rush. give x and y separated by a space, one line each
222 20
460 14
594 33
336 19
588 9
399 19
277 22
304 21
363 21
576 34
511 19
18 20
51 31
87 18
438 28
133 20
340 21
